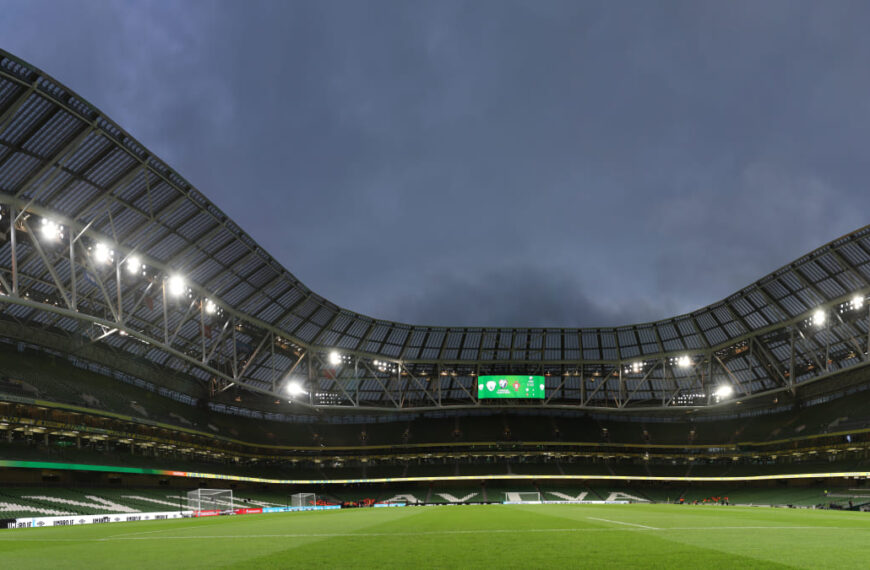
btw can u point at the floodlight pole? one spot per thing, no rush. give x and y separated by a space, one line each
827 345
165 318
13 245
118 289
791 380
72 273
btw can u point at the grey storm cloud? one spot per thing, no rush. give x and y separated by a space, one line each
493 163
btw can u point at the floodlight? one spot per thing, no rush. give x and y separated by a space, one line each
857 302
819 317
724 391
102 253
334 358
176 285
133 264
295 389
637 367
51 230
210 307
684 361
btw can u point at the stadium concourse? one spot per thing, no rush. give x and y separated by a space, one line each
149 348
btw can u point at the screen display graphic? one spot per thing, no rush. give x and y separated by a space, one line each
510 387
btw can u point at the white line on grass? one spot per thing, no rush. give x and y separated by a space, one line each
145 532
625 523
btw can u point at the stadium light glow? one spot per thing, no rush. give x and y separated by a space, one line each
133 264
334 358
724 391
637 367
51 230
210 307
857 302
176 285
819 317
102 253
684 361
295 389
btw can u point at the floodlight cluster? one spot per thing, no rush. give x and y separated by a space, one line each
51 231
210 307
135 265
176 285
384 366
103 254
683 361
723 391
295 388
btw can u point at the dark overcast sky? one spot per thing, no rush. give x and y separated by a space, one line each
493 163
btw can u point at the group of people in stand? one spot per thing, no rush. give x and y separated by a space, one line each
718 500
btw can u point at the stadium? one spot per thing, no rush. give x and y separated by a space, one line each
157 363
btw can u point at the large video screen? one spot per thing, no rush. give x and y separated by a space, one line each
510 387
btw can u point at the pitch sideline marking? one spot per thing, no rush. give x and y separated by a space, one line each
625 523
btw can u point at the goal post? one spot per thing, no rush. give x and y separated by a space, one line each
530 497
523 497
303 500
210 500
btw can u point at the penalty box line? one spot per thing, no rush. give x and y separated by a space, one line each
643 526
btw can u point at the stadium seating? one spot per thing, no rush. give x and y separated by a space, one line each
190 436
456 494
30 375
17 502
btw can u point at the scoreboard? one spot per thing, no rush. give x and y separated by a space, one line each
510 387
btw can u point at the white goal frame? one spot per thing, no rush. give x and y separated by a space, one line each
531 497
525 498
303 500
210 500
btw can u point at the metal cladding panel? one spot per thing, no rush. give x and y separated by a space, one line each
52 135
111 168
216 242
9 92
831 289
629 351
17 169
93 147
17 129
590 339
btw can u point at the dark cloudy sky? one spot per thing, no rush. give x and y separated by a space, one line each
493 163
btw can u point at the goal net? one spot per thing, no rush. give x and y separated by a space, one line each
303 500
210 499
523 497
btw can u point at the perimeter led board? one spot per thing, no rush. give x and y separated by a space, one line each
510 387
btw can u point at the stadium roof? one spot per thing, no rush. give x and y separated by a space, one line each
63 161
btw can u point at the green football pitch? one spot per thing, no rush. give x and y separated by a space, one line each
514 536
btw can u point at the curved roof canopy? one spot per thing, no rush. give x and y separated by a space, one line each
82 200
